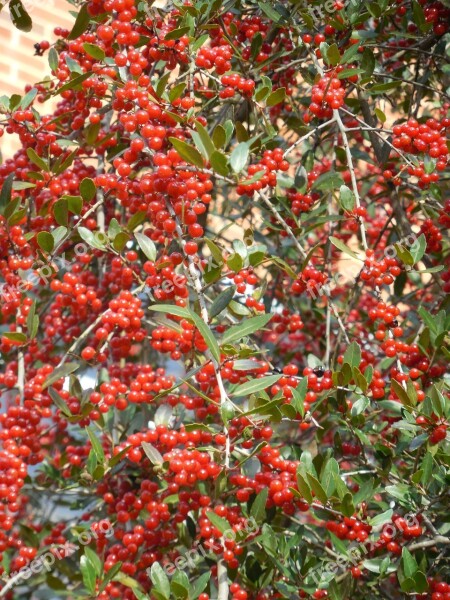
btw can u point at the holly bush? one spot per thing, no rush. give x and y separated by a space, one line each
225 304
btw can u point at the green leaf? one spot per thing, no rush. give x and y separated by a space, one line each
360 406
409 563
347 506
235 262
427 468
59 402
94 51
96 446
246 328
176 91
328 181
146 245
404 255
317 488
88 573
53 60
303 486
74 203
276 97
15 336
19 16
32 321
258 509
298 396
205 139
94 559
328 475
417 250
74 65
347 198
207 335
343 248
152 453
62 165
110 575
61 213
75 82
136 220
222 301
350 54
81 23
216 252
45 241
333 55
219 163
27 100
239 157
219 522
380 115
176 34
178 311
199 585
352 355
37 160
180 585
401 393
87 189
95 240
5 194
198 43
255 385
382 518
187 152
219 136
273 14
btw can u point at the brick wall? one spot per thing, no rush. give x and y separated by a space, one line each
18 64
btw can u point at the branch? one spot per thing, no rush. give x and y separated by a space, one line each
222 580
302 251
198 284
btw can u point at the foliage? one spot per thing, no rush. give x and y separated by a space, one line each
225 309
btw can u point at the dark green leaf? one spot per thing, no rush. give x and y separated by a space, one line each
87 189
152 453
96 446
59 373
45 241
81 23
255 385
258 509
19 16
37 160
352 355
146 245
276 97
187 152
342 247
222 301
219 163
347 198
5 194
94 51
246 328
239 157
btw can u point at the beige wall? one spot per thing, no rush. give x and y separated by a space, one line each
18 64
